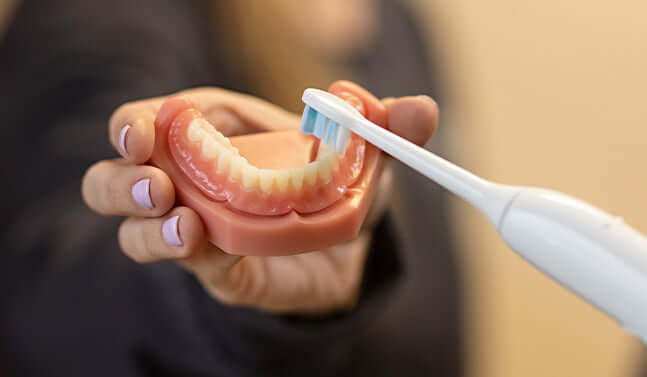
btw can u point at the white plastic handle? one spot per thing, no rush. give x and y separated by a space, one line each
587 250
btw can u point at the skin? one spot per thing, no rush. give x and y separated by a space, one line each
309 283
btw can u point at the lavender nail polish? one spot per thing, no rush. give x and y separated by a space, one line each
171 231
122 138
141 192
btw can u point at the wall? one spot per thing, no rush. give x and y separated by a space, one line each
549 93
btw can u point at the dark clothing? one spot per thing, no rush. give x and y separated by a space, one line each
71 304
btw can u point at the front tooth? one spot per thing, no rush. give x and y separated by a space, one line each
209 148
267 180
282 179
250 176
236 167
224 160
310 174
296 177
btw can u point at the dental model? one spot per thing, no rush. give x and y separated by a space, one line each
268 193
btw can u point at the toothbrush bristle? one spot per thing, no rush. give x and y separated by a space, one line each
308 120
331 132
325 129
341 141
320 125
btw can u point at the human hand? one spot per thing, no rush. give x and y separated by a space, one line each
155 230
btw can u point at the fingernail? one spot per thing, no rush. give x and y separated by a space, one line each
122 138
171 232
141 192
424 96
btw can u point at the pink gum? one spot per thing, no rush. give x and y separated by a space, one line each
244 234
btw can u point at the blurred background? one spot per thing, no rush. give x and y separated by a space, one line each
548 93
551 94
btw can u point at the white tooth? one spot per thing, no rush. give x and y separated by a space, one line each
334 163
282 179
236 167
324 170
209 147
310 174
195 132
221 139
250 176
224 160
267 180
296 177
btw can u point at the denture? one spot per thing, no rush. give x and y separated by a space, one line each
267 193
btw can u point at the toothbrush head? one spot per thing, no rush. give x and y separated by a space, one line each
328 117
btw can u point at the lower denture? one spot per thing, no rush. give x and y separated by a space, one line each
321 216
314 194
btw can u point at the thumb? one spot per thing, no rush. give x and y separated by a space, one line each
413 118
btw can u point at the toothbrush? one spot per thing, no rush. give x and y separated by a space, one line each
590 252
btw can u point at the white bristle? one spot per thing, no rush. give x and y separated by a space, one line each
341 141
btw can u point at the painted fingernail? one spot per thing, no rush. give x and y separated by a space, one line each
123 135
171 231
141 192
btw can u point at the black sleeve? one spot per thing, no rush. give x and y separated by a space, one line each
64 66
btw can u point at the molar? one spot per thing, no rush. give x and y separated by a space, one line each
195 133
209 147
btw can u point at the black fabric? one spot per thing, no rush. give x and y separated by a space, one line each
72 305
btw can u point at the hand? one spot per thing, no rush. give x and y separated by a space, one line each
312 282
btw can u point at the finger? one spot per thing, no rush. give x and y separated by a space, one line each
382 198
132 129
413 118
252 114
114 188
361 99
176 235
132 125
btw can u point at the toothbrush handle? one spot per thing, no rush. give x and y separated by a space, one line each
592 253
454 178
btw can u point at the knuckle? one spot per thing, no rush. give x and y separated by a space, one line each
92 185
127 244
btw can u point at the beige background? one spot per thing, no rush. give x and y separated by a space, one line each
549 93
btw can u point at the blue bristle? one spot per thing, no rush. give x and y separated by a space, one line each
327 130
320 125
308 120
